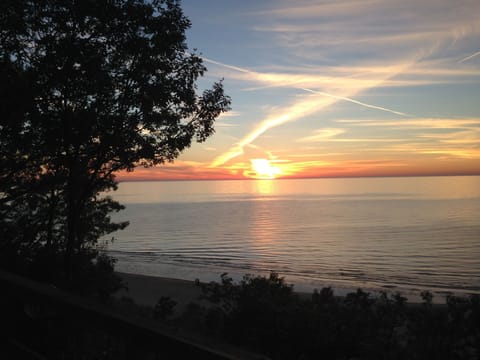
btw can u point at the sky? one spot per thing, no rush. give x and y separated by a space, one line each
336 89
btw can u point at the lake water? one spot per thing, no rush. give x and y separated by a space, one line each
405 234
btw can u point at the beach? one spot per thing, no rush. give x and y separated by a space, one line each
146 290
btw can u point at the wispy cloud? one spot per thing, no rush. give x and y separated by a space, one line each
229 114
414 70
302 106
424 123
336 25
307 105
446 138
225 125
444 151
322 134
333 78
467 136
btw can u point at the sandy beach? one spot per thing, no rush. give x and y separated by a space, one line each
146 290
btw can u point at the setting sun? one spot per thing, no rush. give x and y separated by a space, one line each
263 169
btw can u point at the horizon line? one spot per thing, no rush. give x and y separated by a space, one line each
304 177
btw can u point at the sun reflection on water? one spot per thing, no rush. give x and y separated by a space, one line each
264 187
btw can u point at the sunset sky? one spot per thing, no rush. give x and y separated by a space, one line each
336 88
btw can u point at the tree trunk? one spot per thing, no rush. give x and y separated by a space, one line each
71 233
73 212
51 221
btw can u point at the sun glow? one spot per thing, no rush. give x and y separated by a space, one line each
263 169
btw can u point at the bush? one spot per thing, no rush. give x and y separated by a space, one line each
164 308
266 315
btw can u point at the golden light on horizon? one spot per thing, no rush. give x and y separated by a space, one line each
263 169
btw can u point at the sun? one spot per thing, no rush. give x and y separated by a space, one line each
263 169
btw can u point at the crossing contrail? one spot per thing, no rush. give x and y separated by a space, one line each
371 106
356 102
292 113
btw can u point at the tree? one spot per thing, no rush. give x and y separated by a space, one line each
89 88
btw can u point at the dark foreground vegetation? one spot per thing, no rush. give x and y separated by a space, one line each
262 316
39 321
265 315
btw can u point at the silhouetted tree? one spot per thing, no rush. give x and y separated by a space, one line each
89 88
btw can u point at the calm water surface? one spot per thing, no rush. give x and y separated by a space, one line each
405 234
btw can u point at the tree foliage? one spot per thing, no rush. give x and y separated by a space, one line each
89 88
266 315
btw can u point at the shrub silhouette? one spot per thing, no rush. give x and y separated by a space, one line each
266 315
164 308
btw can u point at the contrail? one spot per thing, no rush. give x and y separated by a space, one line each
355 102
296 111
226 65
320 92
468 57
292 113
